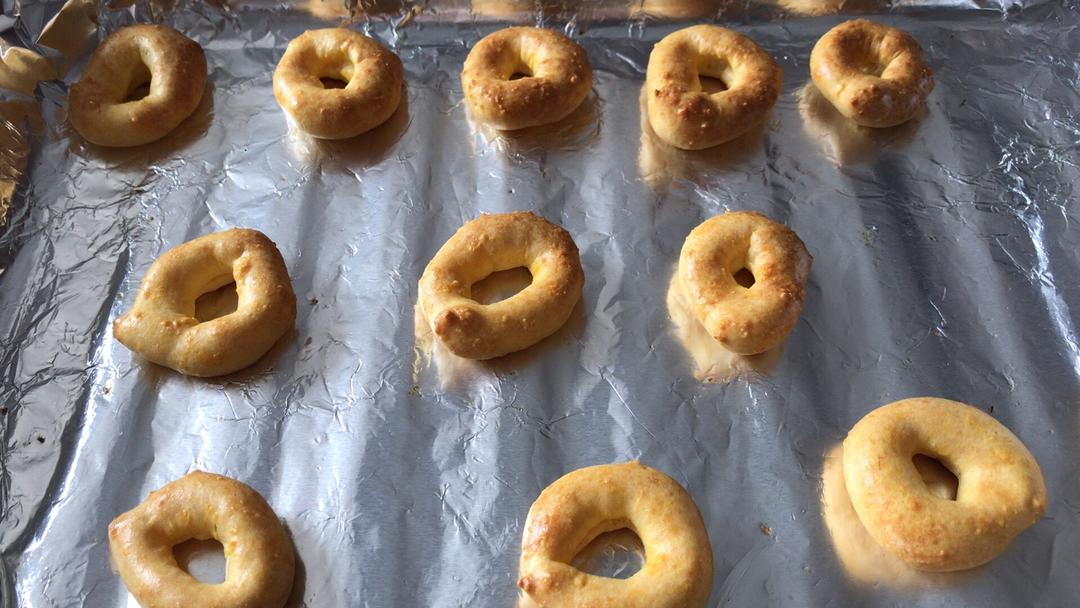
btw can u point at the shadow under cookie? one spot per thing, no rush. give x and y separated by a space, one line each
712 362
456 372
844 141
662 164
358 152
861 557
574 132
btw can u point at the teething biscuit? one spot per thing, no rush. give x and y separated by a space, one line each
259 555
874 75
556 77
488 244
745 320
586 503
173 65
162 326
373 75
1001 490
687 117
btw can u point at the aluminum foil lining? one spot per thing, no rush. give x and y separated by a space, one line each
946 258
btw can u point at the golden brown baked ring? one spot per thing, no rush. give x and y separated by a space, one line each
488 244
687 117
259 556
173 65
557 77
509 9
162 326
675 9
1001 488
586 503
745 320
874 75
373 74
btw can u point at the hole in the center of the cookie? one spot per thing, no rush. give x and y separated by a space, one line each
138 92
711 84
941 482
217 303
870 65
204 560
617 554
333 83
139 86
501 285
744 277
520 71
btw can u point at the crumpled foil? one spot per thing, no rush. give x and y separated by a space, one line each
946 255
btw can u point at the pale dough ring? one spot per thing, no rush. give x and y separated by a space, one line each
162 326
583 504
684 115
488 244
175 67
873 74
260 559
744 320
373 75
1001 490
557 79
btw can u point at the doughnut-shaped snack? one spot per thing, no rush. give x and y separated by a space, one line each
744 320
586 503
687 117
162 326
556 77
373 75
173 65
675 9
873 74
488 244
260 559
1001 489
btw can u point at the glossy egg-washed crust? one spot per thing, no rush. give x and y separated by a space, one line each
488 244
744 320
177 76
162 326
1001 490
585 503
373 75
558 77
259 555
873 74
687 117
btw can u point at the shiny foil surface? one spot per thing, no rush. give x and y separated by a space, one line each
946 258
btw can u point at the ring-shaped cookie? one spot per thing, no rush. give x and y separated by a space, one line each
488 244
556 77
260 560
586 503
173 65
373 75
162 326
873 74
745 320
682 113
1001 490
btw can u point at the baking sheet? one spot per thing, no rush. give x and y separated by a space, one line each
946 257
